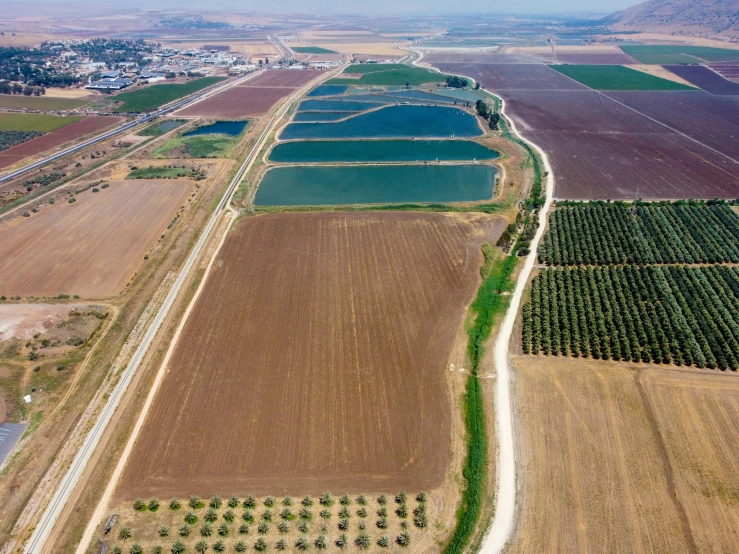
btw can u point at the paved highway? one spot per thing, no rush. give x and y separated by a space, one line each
124 128
40 534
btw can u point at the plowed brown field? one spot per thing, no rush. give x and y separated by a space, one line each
283 78
90 247
238 102
315 359
255 97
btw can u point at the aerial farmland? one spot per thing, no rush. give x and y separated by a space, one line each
369 284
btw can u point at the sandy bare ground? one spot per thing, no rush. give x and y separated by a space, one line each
22 321
659 71
68 93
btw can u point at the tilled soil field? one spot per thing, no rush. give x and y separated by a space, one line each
282 78
238 102
88 125
315 359
89 247
502 77
705 78
633 144
620 145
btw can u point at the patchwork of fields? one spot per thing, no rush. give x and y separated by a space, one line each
323 339
621 144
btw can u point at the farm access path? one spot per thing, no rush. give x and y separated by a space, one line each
41 533
175 105
497 535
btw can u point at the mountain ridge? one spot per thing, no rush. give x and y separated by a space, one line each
717 19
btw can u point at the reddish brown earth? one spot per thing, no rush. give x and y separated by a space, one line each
238 102
621 145
90 247
90 124
502 77
705 78
255 97
315 359
282 78
712 120
729 70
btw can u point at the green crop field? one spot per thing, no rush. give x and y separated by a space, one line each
40 123
664 54
203 146
311 50
388 74
18 101
617 77
153 97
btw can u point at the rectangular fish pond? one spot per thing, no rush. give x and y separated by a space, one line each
232 128
392 122
379 151
314 186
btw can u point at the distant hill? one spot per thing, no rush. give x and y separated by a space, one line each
705 18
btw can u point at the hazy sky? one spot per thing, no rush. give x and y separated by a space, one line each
369 7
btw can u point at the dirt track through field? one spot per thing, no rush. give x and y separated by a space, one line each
90 247
314 359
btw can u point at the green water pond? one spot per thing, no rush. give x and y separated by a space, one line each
380 151
311 186
392 122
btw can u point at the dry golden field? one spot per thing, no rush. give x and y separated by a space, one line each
621 458
698 418
89 247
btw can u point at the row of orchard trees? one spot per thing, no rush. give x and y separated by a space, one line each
600 233
660 314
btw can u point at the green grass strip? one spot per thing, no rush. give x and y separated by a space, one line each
486 306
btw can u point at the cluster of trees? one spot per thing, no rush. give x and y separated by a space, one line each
28 67
17 88
484 111
112 51
619 233
456 82
660 314
11 138
282 513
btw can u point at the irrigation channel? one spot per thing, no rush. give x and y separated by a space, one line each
498 534
65 488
